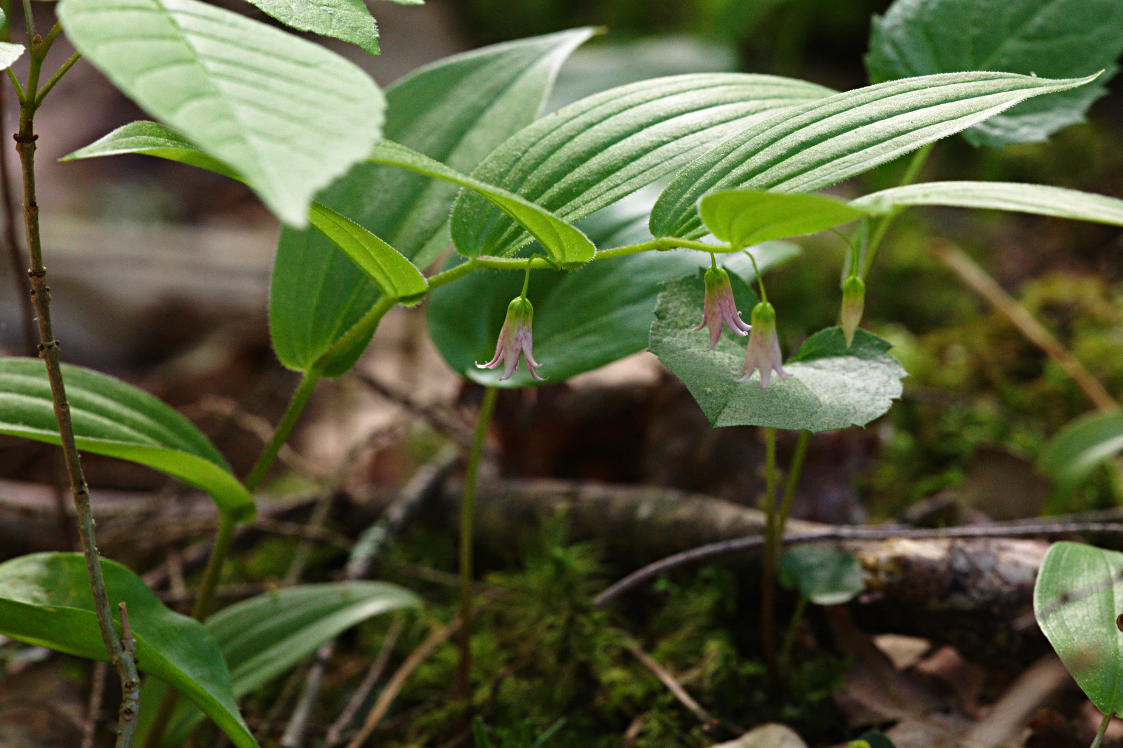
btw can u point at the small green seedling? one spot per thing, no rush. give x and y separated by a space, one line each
1077 601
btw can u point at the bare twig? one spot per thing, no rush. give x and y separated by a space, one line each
49 351
437 636
93 710
369 547
981 282
708 720
19 266
441 419
844 533
374 673
235 414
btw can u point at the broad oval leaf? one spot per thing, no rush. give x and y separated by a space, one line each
346 20
746 217
830 385
1052 38
583 319
1080 446
1079 593
1039 199
564 244
454 111
396 276
599 149
118 420
45 600
818 144
267 635
823 574
287 115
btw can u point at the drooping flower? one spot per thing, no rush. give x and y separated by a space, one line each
853 302
515 340
720 307
764 347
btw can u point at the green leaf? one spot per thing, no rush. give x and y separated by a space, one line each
396 276
822 574
1021 198
601 148
830 386
564 244
747 217
1051 38
151 139
285 114
1079 593
1080 446
118 420
45 599
583 319
817 144
454 111
347 20
9 53
265 636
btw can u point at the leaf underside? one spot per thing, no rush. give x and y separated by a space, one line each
830 385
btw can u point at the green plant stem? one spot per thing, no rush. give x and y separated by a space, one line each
467 509
473 264
526 281
70 61
912 171
1102 731
768 565
794 470
222 539
284 429
48 348
759 277
789 637
29 18
360 330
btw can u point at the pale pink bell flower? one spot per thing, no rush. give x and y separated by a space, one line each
515 340
764 347
720 307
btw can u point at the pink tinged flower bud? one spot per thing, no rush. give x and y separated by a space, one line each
720 307
764 347
853 302
515 340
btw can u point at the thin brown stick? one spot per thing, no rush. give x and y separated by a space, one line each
437 636
93 710
846 533
365 552
19 264
49 351
708 720
443 420
984 285
370 680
